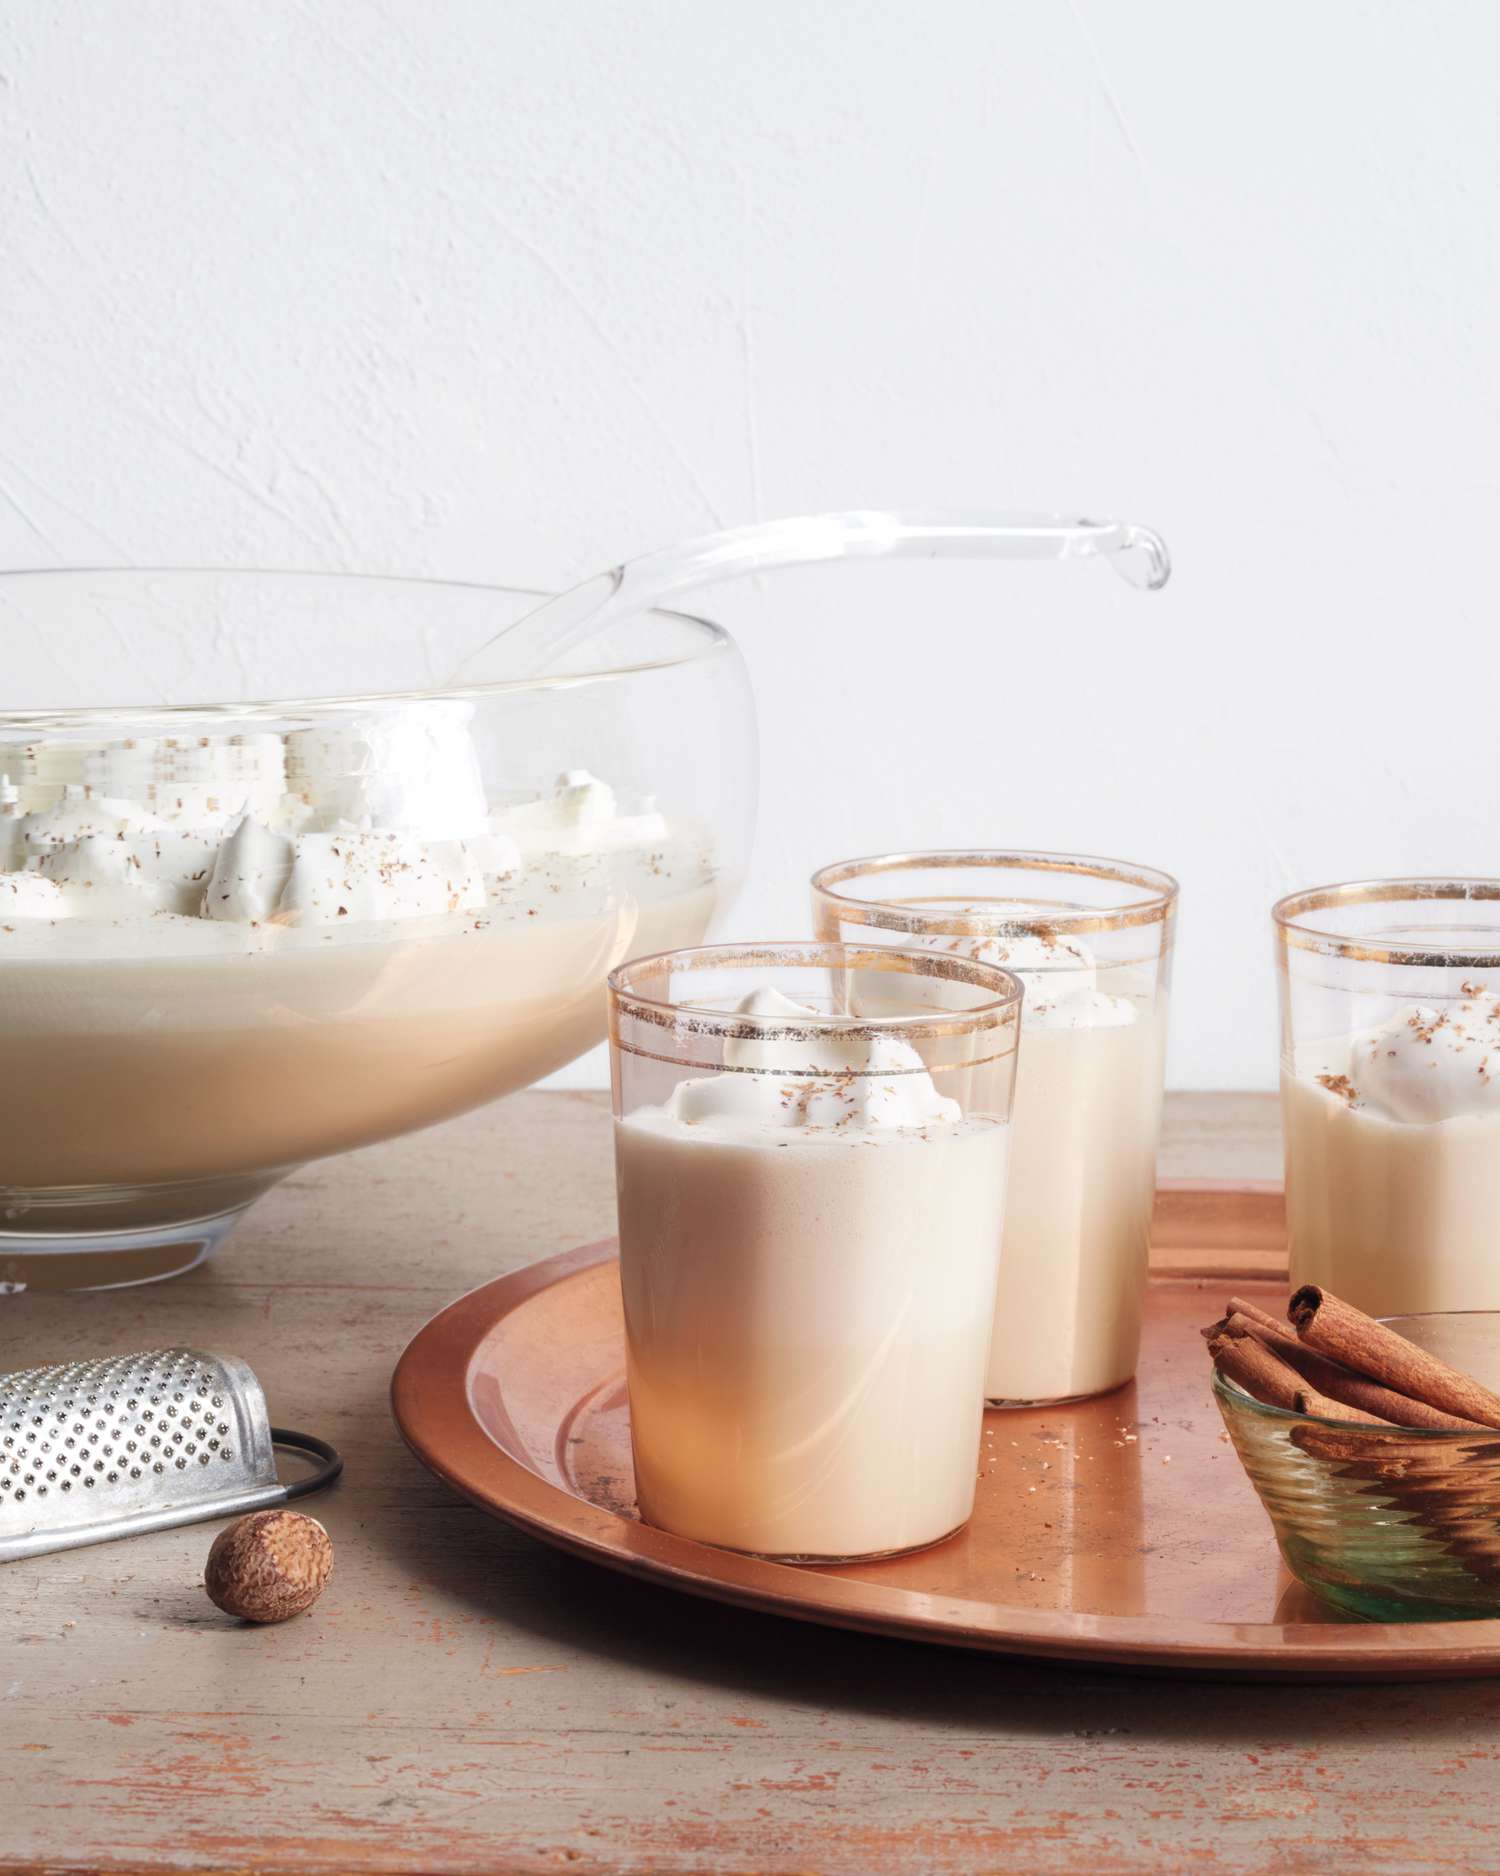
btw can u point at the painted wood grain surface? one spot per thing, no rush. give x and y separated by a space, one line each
464 1700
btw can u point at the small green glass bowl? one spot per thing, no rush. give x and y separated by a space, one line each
1392 1524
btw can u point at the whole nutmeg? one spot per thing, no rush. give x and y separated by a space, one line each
268 1566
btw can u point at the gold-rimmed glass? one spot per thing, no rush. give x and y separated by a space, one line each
807 1304
1390 998
1092 941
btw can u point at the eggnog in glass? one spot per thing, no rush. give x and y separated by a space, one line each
810 1206
1091 941
1390 1091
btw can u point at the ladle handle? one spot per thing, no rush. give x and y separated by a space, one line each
534 643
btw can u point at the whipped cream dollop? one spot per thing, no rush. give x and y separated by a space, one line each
412 770
76 814
580 816
371 817
28 895
1059 973
191 781
821 1081
117 875
357 874
1426 1064
367 875
106 856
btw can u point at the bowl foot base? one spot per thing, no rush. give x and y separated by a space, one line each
110 1260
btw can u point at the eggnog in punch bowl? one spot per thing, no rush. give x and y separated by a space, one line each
235 937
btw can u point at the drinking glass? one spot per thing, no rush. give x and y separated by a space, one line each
1091 941
1390 1091
810 1201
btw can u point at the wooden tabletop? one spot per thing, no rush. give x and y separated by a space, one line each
462 1699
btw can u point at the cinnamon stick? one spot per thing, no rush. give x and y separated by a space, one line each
1338 1383
1335 1328
1323 1407
1257 1370
1252 1312
1246 1359
1238 1306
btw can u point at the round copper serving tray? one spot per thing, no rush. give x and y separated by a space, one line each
1120 1532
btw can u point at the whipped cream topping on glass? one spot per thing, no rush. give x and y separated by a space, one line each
1425 1064
825 1083
1059 972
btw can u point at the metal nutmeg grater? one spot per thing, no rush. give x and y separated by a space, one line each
92 1450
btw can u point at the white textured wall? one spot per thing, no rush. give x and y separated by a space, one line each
514 290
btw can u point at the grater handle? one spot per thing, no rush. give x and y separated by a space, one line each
332 1466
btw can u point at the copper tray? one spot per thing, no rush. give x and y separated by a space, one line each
1120 1532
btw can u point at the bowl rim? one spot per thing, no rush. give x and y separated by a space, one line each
716 640
1231 1391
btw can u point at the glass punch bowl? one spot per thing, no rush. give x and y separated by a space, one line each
238 936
